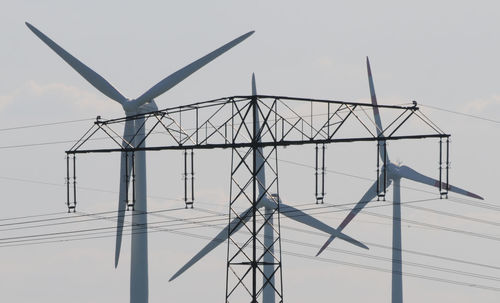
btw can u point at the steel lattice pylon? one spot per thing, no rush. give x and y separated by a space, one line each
254 127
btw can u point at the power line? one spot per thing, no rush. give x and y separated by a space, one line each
37 144
315 210
44 124
65 217
408 274
80 214
183 222
439 227
46 236
406 263
310 245
32 216
461 113
453 215
177 231
475 203
95 215
406 251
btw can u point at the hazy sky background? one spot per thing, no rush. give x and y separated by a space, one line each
441 53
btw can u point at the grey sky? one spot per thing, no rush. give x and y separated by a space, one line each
442 54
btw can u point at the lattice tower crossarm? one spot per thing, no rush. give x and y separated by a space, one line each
210 125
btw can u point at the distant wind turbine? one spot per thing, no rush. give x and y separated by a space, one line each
134 134
395 173
269 205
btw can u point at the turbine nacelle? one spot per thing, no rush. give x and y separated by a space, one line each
393 170
270 201
276 197
130 107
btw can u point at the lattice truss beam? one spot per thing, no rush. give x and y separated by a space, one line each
289 121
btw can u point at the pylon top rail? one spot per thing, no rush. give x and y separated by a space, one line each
228 122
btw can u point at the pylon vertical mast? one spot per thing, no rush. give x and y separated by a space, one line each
253 268
268 281
255 199
269 295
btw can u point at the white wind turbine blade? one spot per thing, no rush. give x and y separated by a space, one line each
261 175
184 72
411 174
301 217
236 224
376 113
124 183
91 76
367 197
268 293
254 86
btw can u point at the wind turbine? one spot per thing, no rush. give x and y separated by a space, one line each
269 205
134 131
395 173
